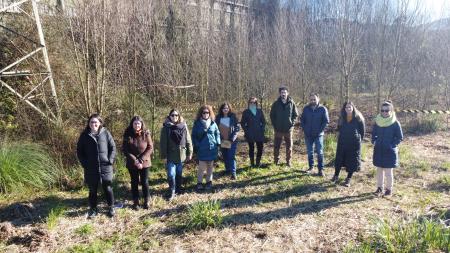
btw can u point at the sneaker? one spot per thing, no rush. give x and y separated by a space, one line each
233 177
310 170
320 173
199 186
334 179
378 191
387 193
92 213
145 205
111 212
347 182
208 186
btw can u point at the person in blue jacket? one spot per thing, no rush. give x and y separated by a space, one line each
386 136
313 121
206 140
228 127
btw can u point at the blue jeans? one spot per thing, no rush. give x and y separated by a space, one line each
318 143
229 157
174 174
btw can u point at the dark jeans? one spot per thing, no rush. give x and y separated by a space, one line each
107 189
251 152
229 158
315 144
139 176
338 170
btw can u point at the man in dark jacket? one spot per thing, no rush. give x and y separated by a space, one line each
314 119
283 115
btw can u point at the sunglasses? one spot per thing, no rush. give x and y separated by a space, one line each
205 112
384 110
174 115
94 122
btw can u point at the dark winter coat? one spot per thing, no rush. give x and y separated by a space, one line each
386 140
314 120
234 126
206 141
348 153
139 148
283 115
254 125
96 155
170 150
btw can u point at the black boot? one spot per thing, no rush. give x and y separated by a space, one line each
178 182
258 161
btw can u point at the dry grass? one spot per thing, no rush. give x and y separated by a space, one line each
273 209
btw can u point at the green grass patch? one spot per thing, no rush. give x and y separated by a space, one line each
97 246
25 166
54 215
84 230
202 215
418 235
329 148
445 166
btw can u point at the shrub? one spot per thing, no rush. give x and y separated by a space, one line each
425 125
418 235
25 166
202 215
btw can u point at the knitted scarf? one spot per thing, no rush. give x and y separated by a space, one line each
177 132
385 122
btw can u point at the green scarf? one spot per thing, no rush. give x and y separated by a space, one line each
385 122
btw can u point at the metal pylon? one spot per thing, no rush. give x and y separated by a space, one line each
47 107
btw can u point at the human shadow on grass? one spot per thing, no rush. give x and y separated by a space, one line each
245 201
307 207
37 210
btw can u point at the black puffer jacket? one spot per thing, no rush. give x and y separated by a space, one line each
348 153
96 155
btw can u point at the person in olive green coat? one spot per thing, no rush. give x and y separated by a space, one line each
175 148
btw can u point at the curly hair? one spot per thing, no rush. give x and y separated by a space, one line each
212 116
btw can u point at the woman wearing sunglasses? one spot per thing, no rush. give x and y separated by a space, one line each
386 136
175 149
206 140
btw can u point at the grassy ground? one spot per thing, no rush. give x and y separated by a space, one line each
272 209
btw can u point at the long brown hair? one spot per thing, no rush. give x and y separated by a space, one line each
130 130
356 113
230 109
212 116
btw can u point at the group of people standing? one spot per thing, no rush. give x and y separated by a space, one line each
96 149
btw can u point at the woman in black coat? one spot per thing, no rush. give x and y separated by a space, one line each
351 132
96 151
254 124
